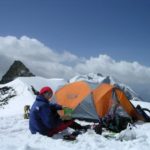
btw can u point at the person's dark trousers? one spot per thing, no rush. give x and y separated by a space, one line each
76 126
62 126
65 124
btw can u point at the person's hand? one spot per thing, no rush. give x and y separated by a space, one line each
65 117
64 107
67 113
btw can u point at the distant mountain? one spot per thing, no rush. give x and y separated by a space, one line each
99 78
17 69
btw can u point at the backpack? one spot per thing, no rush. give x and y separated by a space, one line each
142 111
26 111
116 119
116 123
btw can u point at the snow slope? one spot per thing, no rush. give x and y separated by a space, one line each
24 94
15 135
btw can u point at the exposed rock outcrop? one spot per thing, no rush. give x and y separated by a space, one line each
17 69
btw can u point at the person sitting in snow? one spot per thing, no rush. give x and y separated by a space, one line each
44 118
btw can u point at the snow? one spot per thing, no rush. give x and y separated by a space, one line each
25 95
143 104
15 135
91 77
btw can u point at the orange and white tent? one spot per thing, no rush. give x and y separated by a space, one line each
89 103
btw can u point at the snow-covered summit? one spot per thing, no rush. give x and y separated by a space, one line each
99 78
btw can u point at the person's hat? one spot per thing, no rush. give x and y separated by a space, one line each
46 89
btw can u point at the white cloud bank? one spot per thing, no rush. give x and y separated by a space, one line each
46 62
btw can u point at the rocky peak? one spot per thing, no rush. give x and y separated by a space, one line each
17 69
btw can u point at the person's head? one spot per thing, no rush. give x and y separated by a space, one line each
46 92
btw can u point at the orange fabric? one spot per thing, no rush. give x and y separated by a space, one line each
127 105
102 97
72 94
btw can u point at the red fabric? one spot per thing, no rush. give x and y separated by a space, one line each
61 127
45 89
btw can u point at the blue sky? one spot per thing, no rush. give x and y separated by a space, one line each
111 37
118 28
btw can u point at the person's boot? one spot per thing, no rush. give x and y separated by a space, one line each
77 126
98 129
86 127
72 136
69 137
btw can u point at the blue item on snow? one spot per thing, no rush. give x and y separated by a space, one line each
43 116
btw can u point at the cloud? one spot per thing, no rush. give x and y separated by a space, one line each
44 61
133 74
128 72
39 58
